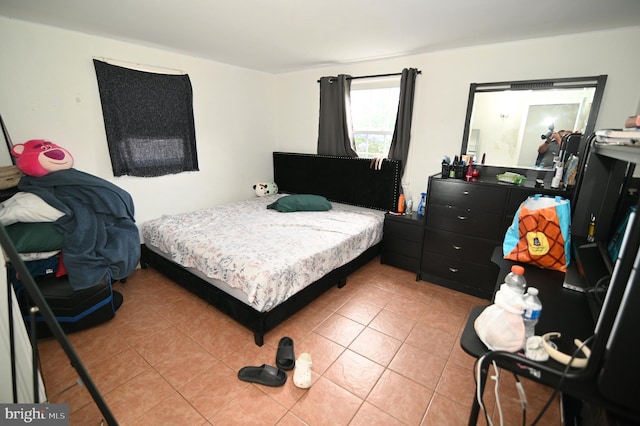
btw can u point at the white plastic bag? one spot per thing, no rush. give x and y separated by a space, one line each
500 326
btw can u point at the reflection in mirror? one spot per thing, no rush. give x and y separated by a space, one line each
506 122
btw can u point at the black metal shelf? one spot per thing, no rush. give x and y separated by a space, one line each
628 153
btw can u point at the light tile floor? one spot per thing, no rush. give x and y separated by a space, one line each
385 351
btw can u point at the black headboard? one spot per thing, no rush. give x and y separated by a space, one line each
341 179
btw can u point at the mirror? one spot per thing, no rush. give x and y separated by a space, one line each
506 122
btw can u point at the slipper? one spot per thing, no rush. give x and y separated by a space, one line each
302 376
285 359
267 375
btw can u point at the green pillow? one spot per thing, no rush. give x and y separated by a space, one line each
300 202
34 237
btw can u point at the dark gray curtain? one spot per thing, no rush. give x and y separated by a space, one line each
399 149
335 130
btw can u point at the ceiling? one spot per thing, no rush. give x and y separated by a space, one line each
279 36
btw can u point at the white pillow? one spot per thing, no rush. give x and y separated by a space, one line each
27 207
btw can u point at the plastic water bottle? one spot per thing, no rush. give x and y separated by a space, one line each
532 311
515 279
409 205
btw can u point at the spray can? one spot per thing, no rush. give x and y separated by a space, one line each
592 229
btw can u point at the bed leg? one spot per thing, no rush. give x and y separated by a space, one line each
258 338
342 282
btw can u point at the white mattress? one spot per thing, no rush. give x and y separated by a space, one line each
266 255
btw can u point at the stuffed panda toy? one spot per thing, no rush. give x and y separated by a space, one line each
265 188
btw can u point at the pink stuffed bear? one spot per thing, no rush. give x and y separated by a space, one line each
38 157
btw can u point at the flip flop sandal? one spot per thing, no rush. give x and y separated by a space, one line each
285 359
267 375
302 376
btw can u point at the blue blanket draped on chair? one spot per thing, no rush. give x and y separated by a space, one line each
98 225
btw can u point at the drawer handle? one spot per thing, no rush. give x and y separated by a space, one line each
454 270
457 247
462 217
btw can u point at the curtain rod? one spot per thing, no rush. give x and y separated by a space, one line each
140 67
376 76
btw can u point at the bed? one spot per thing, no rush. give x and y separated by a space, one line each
272 264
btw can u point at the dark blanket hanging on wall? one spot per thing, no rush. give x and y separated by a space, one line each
148 120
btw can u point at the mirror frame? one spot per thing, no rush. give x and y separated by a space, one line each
598 82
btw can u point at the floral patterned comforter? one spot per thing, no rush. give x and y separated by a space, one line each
268 255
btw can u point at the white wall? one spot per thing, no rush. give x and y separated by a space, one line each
443 87
48 90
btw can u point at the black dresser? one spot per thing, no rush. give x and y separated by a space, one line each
464 222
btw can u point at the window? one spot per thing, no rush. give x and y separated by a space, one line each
374 106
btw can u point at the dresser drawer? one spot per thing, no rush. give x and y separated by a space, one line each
400 246
465 195
466 276
406 230
401 261
470 222
459 246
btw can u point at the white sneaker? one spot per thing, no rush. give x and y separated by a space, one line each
302 374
